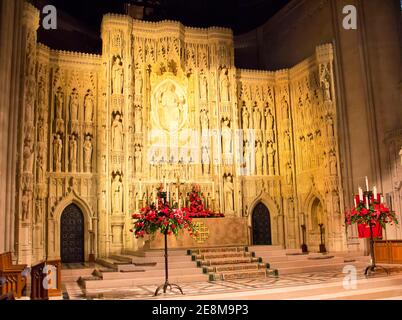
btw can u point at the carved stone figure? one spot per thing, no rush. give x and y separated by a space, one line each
287 142
117 192
271 159
259 159
332 164
330 127
74 106
224 85
269 120
204 120
88 154
40 170
89 107
57 152
228 189
138 82
285 108
204 88
138 119
25 199
226 137
73 153
170 108
245 117
59 104
117 76
117 134
247 157
138 159
205 160
257 117
28 156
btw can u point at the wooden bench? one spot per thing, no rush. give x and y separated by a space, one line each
11 278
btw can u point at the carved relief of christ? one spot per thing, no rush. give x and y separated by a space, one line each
170 108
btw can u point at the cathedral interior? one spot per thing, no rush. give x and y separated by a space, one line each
275 109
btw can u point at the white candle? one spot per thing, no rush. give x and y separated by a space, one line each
367 186
360 194
354 201
164 183
375 193
367 203
382 199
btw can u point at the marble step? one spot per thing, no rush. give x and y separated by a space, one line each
222 255
306 262
235 267
246 274
216 262
157 253
150 273
266 248
318 268
71 275
124 283
216 250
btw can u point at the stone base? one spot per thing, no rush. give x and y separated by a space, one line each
213 232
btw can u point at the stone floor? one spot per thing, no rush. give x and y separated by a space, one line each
317 285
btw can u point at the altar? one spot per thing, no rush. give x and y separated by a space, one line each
211 232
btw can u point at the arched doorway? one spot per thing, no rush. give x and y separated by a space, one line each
261 223
72 235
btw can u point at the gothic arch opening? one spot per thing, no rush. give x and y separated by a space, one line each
316 215
72 235
261 225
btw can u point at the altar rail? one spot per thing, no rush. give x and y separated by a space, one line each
388 251
212 232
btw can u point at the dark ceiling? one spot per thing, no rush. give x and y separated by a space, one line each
79 20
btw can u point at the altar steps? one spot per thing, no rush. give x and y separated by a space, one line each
227 263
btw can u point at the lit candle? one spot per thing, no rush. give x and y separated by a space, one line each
367 202
354 201
367 186
382 199
375 193
164 183
360 194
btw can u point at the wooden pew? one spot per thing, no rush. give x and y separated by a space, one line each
11 278
38 277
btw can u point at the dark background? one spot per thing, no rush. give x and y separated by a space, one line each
79 21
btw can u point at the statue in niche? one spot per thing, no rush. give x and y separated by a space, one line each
40 170
269 119
117 133
226 137
327 89
228 189
73 153
205 160
224 85
204 88
28 155
257 117
332 164
271 158
59 104
89 107
285 108
289 174
204 120
138 159
170 108
25 199
245 117
330 127
117 191
259 159
74 106
88 153
57 152
41 131
138 82
117 76
335 204
41 95
138 119
247 156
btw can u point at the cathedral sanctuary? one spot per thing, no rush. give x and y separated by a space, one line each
278 128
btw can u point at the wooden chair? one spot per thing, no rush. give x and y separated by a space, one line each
11 278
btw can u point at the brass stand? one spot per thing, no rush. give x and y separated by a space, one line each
166 285
373 268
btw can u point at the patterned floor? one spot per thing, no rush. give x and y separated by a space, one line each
73 291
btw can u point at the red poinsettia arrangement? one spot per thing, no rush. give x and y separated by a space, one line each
196 207
162 217
370 211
